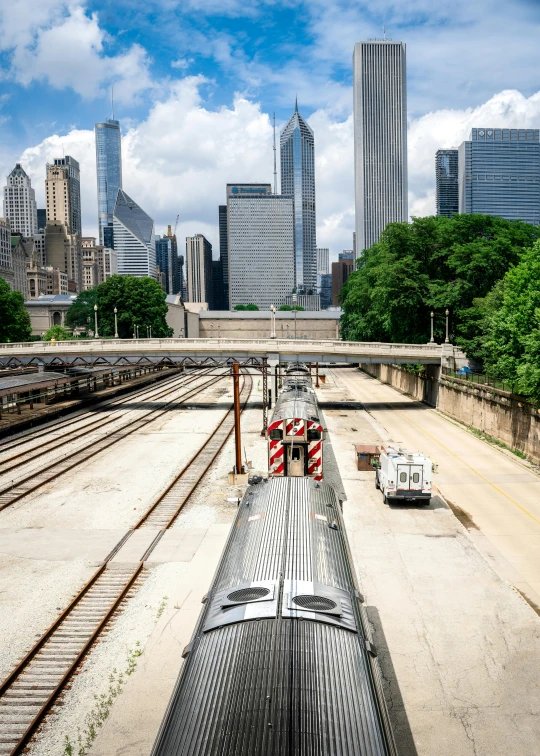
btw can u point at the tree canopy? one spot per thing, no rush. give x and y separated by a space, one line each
14 320
428 265
510 333
244 307
139 301
289 308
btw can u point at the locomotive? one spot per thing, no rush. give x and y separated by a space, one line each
295 433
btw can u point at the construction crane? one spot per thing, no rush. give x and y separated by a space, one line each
169 232
176 224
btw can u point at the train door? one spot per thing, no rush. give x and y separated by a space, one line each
295 461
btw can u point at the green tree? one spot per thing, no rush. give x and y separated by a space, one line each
139 301
14 320
431 264
244 307
57 332
511 333
289 308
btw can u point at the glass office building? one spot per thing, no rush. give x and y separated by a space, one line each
499 174
446 181
297 151
134 240
109 175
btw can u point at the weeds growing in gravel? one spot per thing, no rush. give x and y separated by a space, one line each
102 707
161 607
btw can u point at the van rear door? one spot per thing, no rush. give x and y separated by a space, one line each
410 477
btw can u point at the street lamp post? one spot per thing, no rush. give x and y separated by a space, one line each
431 339
447 313
150 329
115 323
211 330
287 330
294 299
96 335
272 322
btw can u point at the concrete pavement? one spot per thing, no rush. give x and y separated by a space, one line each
500 495
459 648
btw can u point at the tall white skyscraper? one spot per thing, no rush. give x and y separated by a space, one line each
199 269
20 202
323 261
134 240
380 138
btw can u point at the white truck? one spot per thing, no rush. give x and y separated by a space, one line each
403 475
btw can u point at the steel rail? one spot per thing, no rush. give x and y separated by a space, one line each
14 740
26 456
79 414
37 478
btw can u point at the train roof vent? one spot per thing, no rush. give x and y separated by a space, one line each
316 604
253 593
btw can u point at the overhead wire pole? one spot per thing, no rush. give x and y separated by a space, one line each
237 437
265 396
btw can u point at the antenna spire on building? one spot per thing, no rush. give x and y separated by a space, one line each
275 163
296 105
384 31
112 102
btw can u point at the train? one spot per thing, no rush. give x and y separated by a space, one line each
282 660
295 433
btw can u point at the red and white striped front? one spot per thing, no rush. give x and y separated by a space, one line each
315 453
276 451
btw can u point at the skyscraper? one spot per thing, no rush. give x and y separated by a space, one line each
167 259
224 256
499 174
297 152
380 138
109 175
133 238
260 245
63 193
446 179
20 203
323 261
199 269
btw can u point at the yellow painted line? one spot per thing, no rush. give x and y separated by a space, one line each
496 488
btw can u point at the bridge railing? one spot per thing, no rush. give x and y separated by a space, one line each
268 344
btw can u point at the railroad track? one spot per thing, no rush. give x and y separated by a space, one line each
77 416
7 464
32 688
17 489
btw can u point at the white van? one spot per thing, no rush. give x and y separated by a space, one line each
404 475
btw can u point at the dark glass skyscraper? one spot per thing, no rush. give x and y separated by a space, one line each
297 152
447 185
499 174
109 175
224 256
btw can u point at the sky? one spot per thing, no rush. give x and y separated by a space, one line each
196 84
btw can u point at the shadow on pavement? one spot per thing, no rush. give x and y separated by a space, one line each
392 693
436 502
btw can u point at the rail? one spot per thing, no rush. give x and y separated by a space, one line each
30 690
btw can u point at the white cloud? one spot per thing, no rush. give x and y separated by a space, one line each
66 47
179 159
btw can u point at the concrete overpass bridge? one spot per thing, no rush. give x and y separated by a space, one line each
256 353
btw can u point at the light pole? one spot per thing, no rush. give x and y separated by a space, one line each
447 313
272 322
294 300
211 330
431 339
287 330
150 329
96 335
115 323
218 331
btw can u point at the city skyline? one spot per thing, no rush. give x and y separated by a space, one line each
166 125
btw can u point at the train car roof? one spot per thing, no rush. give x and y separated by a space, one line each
296 402
279 662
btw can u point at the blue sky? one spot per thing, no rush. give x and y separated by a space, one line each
196 81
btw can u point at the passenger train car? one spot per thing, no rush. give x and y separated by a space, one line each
295 433
281 661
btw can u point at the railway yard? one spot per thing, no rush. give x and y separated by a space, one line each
113 521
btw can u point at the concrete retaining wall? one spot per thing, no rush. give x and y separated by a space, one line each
497 413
